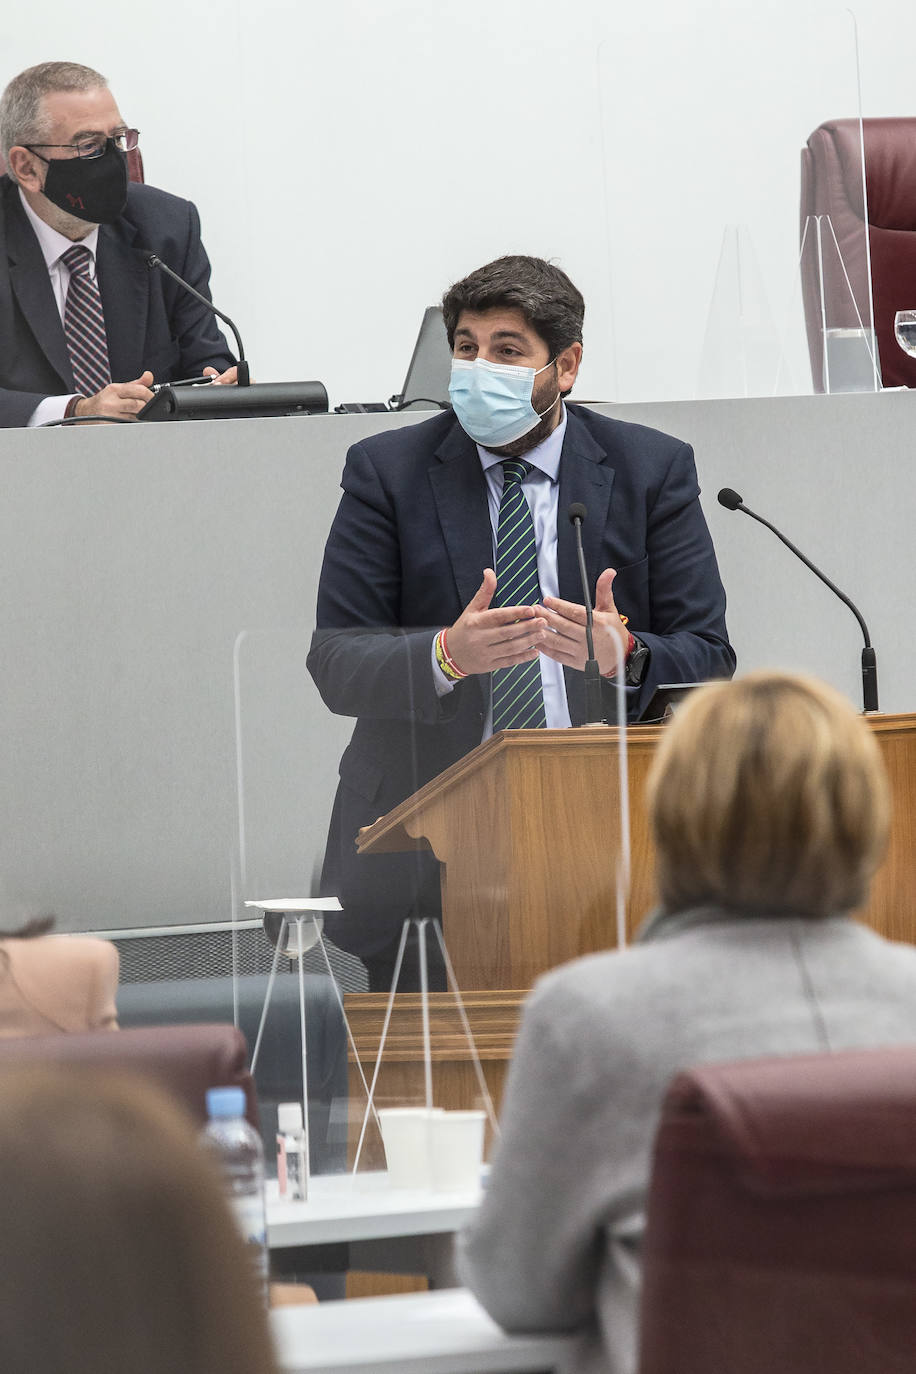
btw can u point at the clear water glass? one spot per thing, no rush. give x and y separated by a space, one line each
905 331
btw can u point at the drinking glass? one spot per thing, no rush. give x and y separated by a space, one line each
905 331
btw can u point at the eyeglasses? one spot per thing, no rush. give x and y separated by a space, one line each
94 145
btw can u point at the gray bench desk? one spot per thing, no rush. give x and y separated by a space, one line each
361 1223
412 1333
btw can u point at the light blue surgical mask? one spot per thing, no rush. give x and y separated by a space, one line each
493 400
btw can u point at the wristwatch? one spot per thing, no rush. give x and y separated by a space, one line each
637 662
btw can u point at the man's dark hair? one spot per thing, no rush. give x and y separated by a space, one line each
552 306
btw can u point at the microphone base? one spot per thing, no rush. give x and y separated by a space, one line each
257 401
594 710
869 680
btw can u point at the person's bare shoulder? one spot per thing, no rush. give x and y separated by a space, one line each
106 964
86 951
84 971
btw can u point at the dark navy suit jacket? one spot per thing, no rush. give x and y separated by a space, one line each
405 555
150 321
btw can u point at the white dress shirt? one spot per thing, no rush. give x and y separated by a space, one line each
542 492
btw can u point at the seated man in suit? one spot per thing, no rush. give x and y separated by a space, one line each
86 327
450 601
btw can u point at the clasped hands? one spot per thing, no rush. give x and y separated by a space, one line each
484 638
125 399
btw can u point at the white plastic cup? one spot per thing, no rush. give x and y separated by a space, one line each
406 1137
456 1150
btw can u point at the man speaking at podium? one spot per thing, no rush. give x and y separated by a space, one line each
85 326
450 601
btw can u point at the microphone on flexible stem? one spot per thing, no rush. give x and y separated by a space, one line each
154 260
593 709
732 501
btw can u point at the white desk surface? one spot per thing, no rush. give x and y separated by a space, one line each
446 1332
344 1207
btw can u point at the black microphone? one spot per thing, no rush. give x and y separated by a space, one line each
593 716
732 501
154 260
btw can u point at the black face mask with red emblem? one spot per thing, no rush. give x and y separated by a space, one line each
91 188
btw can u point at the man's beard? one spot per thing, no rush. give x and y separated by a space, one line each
69 225
547 423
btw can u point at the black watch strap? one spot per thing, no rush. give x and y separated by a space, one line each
637 663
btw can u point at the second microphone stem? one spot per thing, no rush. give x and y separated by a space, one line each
594 711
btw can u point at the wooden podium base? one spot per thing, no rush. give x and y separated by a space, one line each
891 909
493 1018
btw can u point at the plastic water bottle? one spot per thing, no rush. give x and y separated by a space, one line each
292 1153
237 1148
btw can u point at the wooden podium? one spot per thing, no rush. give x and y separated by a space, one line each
526 829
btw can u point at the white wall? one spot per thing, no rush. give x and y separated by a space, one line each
350 159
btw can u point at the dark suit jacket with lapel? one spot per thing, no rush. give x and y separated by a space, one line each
406 553
150 321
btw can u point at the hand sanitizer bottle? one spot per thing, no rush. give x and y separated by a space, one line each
292 1153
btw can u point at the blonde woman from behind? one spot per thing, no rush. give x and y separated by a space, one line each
769 809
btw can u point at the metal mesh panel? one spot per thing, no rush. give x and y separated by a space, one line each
170 952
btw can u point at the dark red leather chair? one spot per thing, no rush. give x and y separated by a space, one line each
831 184
135 165
184 1061
781 1234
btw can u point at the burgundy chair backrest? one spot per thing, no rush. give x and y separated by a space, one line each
781 1230
134 166
183 1060
831 184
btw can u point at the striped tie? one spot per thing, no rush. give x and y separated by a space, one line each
84 325
518 698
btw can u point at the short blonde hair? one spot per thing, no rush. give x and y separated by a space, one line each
769 794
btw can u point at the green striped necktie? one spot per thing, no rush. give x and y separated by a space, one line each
518 698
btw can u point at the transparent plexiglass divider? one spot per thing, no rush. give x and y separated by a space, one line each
838 299
415 1109
181 974
295 927
435 1045
286 753
704 114
623 865
582 828
741 353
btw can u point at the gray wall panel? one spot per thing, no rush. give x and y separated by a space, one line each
133 557
834 474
